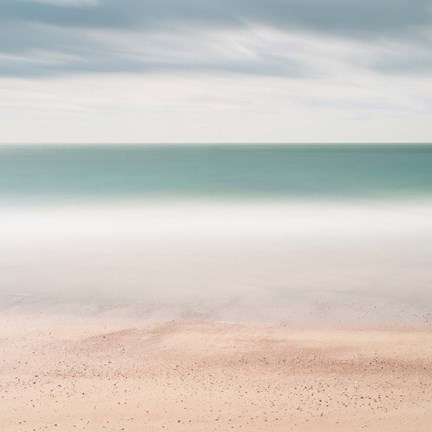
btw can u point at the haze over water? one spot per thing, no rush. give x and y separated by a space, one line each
338 233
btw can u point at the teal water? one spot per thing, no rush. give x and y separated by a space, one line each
90 172
278 233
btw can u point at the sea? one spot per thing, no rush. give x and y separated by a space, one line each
286 233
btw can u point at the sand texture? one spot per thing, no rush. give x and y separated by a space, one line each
64 374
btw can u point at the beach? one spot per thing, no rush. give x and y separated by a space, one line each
215 216
210 288
63 373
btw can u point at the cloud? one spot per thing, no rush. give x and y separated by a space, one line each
399 58
347 16
58 37
203 107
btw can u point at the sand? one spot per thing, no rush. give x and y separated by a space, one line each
100 374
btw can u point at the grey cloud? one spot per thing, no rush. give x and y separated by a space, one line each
42 50
49 38
348 16
405 63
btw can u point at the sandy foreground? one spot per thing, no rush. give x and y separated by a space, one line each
100 374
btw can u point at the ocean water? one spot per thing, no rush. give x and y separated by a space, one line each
87 173
285 233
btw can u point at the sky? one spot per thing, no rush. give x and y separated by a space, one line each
220 71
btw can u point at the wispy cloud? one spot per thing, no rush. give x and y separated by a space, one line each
57 37
227 70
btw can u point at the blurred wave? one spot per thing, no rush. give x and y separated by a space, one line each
278 233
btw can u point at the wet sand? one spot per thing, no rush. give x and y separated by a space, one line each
100 374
